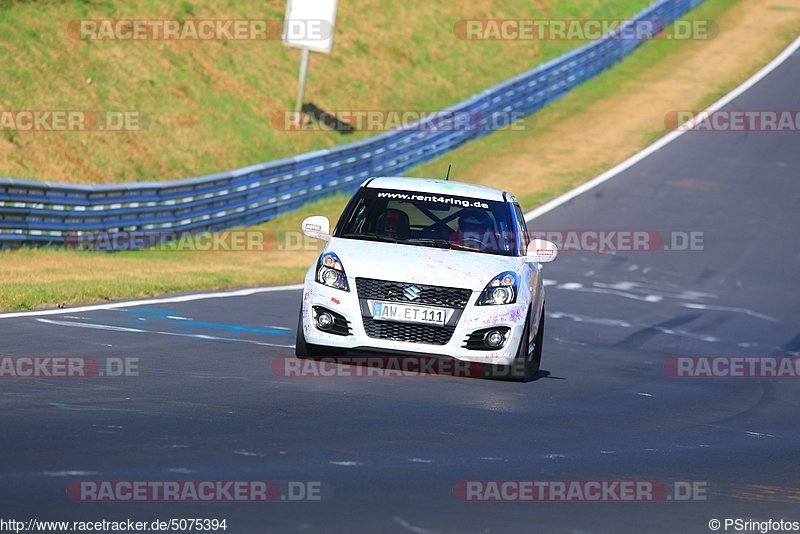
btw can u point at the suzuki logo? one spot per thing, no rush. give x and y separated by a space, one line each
412 292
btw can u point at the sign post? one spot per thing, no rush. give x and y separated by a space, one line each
301 83
309 26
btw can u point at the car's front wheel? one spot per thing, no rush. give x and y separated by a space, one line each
526 364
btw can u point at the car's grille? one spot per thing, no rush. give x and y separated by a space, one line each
410 333
448 297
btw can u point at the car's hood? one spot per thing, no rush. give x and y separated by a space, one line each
422 265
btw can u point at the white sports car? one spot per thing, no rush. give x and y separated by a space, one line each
428 267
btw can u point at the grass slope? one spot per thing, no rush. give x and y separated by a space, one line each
209 104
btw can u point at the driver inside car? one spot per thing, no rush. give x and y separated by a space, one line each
475 229
394 224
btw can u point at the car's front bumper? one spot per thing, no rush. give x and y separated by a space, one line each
473 318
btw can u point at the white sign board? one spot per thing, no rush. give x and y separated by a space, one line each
309 24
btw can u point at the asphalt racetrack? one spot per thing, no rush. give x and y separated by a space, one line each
388 452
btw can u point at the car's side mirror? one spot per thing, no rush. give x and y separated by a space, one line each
541 251
318 227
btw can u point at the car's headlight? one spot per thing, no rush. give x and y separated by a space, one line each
330 272
501 290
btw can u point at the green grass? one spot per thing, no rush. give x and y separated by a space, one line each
209 105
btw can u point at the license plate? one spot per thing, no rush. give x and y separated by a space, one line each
405 313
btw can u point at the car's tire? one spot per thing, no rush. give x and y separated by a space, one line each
300 347
308 350
537 347
526 364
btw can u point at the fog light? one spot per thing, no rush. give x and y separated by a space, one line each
324 320
494 339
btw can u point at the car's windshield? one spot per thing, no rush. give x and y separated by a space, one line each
431 220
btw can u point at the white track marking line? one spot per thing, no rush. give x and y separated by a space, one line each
636 158
128 304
